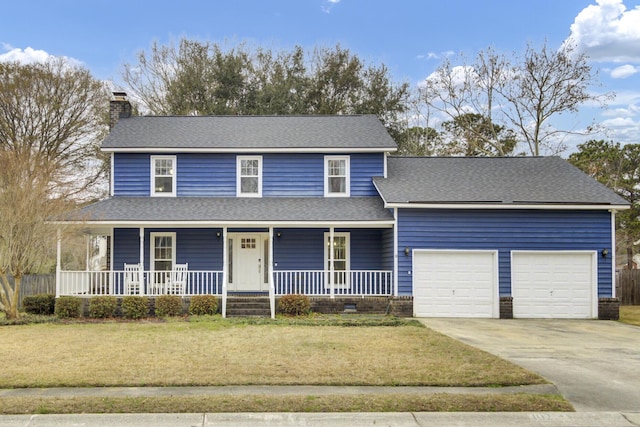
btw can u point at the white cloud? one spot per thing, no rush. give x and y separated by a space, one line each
26 56
624 71
608 31
31 56
327 5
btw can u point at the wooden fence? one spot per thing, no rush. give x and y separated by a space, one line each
628 287
36 284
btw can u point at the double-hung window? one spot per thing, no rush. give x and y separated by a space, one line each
336 176
249 176
163 176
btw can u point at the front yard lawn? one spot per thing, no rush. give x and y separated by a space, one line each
219 352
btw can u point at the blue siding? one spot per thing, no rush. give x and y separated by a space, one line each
504 230
214 175
201 248
363 168
207 175
126 247
132 174
293 175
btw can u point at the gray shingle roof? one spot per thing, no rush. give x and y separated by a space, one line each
322 133
231 209
505 180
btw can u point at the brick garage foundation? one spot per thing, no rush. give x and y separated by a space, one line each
608 309
506 307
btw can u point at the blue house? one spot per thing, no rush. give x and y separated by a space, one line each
274 205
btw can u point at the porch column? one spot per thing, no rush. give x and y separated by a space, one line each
141 278
613 253
331 269
395 252
58 261
272 290
225 267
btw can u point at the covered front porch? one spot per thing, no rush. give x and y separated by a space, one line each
222 246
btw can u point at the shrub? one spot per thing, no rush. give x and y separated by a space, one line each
103 306
168 305
68 307
135 307
294 305
203 304
40 304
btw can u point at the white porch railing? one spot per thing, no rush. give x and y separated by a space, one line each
317 283
94 283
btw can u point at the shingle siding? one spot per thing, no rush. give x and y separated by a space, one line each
504 230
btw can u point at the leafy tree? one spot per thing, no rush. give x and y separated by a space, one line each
52 116
419 141
202 78
474 135
521 93
617 167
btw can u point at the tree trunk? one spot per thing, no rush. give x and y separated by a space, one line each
10 296
630 257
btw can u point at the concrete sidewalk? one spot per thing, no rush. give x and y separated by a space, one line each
399 419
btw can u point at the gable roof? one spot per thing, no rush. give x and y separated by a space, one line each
503 181
350 133
234 210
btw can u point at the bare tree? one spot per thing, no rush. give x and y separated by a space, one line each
518 93
52 116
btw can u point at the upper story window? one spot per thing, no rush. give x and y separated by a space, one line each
249 176
336 176
163 175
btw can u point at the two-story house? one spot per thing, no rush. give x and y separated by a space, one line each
274 205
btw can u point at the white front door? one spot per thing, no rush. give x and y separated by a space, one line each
248 262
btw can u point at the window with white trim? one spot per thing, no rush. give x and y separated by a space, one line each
336 176
163 251
341 258
249 176
163 176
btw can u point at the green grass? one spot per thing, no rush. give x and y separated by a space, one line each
303 403
211 351
630 314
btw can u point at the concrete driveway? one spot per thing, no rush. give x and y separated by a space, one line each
595 364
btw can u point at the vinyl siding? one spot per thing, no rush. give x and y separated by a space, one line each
504 230
201 248
214 175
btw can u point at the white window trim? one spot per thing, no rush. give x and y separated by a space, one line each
152 247
239 160
153 176
347 236
347 160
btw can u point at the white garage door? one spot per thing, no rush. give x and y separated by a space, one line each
455 283
554 284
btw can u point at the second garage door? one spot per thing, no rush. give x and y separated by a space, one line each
455 283
556 284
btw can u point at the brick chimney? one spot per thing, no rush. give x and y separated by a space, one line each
119 108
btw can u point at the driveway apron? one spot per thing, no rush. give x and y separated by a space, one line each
594 364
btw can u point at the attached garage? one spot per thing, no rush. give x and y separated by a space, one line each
453 283
554 284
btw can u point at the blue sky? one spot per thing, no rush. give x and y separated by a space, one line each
410 37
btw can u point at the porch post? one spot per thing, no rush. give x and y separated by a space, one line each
395 252
272 290
58 261
141 273
331 270
613 253
225 273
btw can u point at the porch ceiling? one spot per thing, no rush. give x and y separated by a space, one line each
352 211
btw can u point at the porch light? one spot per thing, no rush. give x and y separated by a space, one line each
218 234
605 252
278 235
407 251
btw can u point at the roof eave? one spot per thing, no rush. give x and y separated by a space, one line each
227 150
484 205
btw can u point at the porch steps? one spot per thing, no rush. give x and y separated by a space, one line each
248 306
